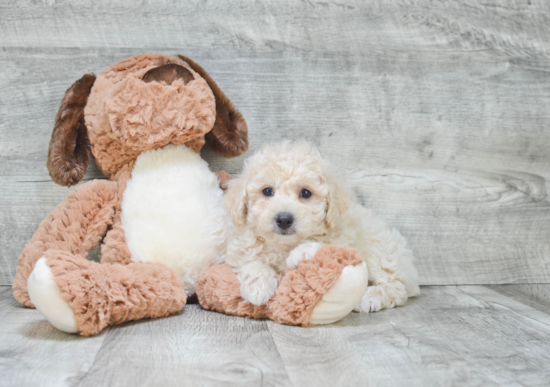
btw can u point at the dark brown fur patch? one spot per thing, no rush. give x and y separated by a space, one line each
229 135
69 151
168 73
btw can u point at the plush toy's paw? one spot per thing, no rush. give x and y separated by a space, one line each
320 290
304 251
342 297
370 302
258 282
224 179
46 296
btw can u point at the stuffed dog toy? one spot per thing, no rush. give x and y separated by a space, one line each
159 219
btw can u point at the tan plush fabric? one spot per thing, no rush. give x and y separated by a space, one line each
224 178
126 116
114 248
299 290
75 226
104 294
219 290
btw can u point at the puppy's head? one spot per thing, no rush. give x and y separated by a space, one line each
287 194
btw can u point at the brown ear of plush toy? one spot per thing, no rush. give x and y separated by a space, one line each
229 136
69 151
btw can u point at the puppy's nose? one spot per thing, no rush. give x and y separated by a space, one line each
284 220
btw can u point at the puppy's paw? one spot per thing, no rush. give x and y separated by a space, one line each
260 291
303 251
370 302
258 283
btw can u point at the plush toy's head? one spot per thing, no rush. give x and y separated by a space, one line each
142 103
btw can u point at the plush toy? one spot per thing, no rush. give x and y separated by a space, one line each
315 290
159 219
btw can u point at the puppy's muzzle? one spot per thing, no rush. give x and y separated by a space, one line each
284 220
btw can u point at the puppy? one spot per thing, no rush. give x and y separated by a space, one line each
287 195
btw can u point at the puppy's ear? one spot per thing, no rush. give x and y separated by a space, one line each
235 200
69 151
338 200
229 135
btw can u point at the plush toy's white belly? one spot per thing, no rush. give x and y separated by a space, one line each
172 213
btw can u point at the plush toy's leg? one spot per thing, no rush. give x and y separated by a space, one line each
321 290
77 295
218 289
75 226
341 299
46 296
335 303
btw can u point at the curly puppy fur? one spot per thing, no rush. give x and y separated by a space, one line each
259 249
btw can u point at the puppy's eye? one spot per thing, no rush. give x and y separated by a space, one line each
306 194
268 191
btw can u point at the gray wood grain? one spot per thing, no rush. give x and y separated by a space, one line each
194 348
459 336
537 296
340 26
34 353
436 112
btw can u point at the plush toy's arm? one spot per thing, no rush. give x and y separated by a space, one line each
319 290
76 226
224 178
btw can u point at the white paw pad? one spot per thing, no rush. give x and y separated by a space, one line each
46 296
301 252
340 300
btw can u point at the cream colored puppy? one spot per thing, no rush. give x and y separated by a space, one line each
286 204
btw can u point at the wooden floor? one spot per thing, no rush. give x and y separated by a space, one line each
436 112
450 336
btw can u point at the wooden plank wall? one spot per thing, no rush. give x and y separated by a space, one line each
437 112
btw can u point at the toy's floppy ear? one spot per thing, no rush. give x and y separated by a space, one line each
235 200
338 200
69 151
229 136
